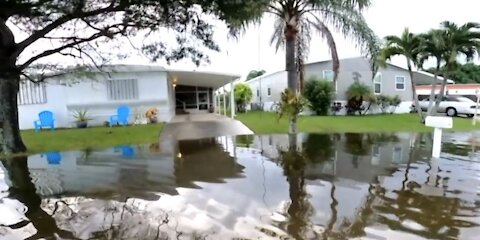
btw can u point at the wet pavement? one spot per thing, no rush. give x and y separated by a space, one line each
323 186
197 126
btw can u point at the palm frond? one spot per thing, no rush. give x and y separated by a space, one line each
327 34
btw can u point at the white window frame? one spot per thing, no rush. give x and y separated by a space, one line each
133 95
377 80
404 83
324 73
30 93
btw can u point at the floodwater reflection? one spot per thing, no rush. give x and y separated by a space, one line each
317 186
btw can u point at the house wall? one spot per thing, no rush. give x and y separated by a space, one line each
70 94
276 82
351 70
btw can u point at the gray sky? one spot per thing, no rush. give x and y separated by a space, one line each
385 17
252 49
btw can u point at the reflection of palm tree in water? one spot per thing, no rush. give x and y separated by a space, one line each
24 190
299 209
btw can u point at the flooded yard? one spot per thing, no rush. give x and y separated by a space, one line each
308 186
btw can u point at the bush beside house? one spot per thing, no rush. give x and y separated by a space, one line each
320 95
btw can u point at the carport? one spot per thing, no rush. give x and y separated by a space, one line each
200 92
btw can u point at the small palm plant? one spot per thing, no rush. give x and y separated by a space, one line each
81 118
356 94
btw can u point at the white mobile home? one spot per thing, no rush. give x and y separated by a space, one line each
102 92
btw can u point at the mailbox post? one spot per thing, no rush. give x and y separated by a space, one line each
438 123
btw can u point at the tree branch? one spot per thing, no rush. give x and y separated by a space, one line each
60 21
104 33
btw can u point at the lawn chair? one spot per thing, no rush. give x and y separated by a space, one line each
45 120
53 158
121 118
127 151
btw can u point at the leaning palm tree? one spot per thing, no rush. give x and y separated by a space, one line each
297 19
432 48
410 46
456 41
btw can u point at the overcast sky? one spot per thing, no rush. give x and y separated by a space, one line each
385 17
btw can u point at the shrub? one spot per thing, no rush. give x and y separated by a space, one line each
356 94
388 104
320 95
243 96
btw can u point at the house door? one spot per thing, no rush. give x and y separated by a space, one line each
203 100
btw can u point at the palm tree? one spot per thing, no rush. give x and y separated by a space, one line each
456 41
410 46
296 19
432 47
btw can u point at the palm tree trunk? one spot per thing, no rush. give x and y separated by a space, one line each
442 90
10 139
434 85
291 67
414 91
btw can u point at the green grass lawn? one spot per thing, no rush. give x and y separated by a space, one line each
96 137
266 122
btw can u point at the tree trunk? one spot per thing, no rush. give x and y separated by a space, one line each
11 141
434 85
414 91
442 90
291 67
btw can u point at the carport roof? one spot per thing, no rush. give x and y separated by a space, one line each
204 79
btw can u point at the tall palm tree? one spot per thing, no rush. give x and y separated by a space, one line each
296 19
432 47
456 41
410 46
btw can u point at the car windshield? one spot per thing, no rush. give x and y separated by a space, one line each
464 99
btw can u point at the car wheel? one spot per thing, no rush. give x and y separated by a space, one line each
451 112
470 115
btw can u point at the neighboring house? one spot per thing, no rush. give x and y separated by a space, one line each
136 86
467 90
391 80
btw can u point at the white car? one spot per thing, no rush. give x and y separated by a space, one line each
453 105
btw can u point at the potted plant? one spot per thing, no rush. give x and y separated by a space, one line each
151 115
81 118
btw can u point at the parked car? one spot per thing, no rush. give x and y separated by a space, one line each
452 105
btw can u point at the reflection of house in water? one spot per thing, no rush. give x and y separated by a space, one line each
355 156
143 174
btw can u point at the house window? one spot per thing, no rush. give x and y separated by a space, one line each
400 83
31 93
258 92
269 92
377 83
123 89
328 75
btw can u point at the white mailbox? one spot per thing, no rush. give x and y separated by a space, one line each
439 122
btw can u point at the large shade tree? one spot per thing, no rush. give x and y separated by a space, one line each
296 20
410 46
76 27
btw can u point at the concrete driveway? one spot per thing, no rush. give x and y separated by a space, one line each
197 126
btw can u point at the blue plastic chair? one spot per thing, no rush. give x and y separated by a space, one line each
53 158
127 151
46 120
122 116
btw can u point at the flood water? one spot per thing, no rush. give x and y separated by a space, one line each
317 186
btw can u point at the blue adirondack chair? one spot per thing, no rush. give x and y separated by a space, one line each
46 120
127 151
53 158
122 116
